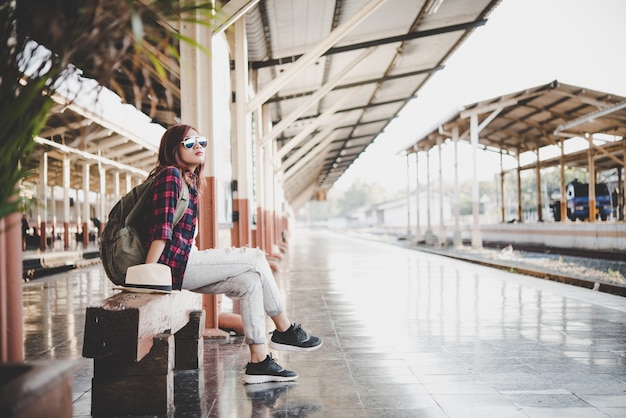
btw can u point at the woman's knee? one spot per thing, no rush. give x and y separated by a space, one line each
248 283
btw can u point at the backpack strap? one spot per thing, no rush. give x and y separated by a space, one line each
183 203
143 192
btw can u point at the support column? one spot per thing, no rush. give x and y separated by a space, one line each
592 181
408 200
196 83
240 233
270 210
11 328
86 212
260 192
418 231
428 236
66 201
441 235
457 239
477 241
563 202
102 196
128 184
538 179
43 198
502 206
54 217
622 198
519 189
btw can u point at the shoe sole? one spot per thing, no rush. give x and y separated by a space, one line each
268 386
287 347
252 379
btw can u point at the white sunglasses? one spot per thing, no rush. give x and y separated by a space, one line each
190 141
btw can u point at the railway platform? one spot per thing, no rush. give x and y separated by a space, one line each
406 334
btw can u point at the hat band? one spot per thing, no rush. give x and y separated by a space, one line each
167 288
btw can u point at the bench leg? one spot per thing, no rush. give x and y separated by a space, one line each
189 342
142 388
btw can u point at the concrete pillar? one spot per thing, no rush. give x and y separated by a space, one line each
43 198
196 91
66 201
519 189
11 328
128 184
242 150
457 239
502 207
408 200
53 215
418 229
441 235
538 185
477 241
592 181
86 215
562 185
268 198
102 208
428 235
622 199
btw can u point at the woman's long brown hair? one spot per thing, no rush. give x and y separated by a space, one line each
169 154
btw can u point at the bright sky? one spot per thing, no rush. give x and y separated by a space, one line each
525 43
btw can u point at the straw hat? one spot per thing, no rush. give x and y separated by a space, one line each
148 278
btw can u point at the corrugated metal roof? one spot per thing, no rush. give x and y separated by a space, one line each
343 103
540 116
409 40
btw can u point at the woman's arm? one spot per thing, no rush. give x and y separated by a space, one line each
155 250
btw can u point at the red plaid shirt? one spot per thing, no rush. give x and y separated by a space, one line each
159 217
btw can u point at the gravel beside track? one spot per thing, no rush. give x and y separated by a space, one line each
583 268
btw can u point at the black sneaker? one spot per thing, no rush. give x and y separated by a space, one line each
294 339
267 371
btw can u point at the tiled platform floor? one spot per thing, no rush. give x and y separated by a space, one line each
406 334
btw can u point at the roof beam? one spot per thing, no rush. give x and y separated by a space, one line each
303 154
232 11
323 91
87 156
319 155
306 59
360 83
304 196
59 130
590 116
296 140
407 37
404 99
139 157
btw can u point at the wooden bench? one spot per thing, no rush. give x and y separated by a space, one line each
136 341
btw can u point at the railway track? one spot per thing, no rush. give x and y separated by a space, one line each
526 253
574 252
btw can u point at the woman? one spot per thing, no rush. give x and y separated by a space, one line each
238 272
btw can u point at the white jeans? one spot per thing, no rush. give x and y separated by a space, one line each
240 273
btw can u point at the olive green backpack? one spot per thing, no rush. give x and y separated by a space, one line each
120 243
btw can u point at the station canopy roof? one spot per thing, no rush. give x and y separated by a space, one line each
359 74
541 116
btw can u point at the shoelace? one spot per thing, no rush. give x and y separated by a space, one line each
271 361
301 334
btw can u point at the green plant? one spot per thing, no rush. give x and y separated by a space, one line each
43 41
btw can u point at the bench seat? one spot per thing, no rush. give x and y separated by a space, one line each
136 341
